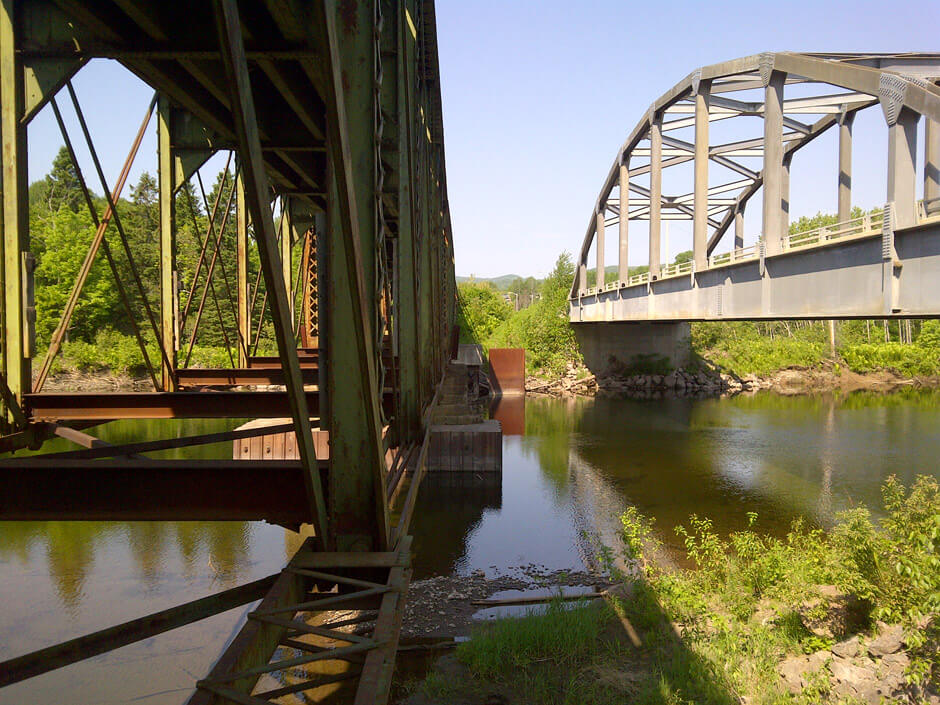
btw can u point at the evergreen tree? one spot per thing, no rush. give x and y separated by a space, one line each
63 186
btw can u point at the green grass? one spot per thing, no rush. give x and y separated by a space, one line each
560 634
763 356
715 633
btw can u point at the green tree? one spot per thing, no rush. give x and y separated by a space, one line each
542 329
482 309
66 236
63 189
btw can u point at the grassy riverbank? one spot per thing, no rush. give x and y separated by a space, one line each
743 348
757 620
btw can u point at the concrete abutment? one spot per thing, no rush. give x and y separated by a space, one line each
629 343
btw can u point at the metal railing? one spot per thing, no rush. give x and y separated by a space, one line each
675 269
865 224
826 233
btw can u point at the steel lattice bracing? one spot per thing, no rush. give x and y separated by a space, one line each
884 261
331 115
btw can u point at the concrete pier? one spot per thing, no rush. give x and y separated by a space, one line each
625 342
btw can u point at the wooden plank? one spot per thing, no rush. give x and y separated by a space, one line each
376 678
330 559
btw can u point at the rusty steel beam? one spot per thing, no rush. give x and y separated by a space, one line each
194 376
151 490
79 406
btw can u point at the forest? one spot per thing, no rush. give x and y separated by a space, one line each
102 332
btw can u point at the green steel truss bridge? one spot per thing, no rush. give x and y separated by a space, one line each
331 112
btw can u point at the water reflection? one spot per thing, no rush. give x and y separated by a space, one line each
509 410
579 463
448 514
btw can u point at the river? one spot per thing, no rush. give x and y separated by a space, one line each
570 467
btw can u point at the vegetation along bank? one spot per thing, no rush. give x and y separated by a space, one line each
789 357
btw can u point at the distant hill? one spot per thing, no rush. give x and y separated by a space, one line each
502 282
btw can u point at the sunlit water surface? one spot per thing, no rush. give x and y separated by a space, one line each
570 467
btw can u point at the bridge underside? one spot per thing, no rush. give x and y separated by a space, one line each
330 116
845 279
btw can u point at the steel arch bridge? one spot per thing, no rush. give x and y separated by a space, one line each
885 263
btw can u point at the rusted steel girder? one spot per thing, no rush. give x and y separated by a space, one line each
79 406
165 490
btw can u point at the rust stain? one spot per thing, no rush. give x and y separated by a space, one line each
348 15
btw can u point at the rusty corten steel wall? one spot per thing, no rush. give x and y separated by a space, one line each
507 370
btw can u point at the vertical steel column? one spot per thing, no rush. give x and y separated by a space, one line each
425 290
902 157
773 163
241 270
600 278
656 193
582 274
845 165
358 503
356 54
623 262
932 167
700 204
785 194
15 204
288 236
167 191
739 226
406 282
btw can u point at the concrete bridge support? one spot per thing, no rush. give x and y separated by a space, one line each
625 342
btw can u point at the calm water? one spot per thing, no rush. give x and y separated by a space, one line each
574 465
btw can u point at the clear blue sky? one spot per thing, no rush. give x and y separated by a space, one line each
538 96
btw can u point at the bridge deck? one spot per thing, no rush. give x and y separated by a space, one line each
835 272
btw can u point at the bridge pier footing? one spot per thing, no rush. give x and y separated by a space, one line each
630 343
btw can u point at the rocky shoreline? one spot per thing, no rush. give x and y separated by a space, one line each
714 383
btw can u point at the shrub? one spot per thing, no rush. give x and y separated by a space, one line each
906 359
481 310
542 328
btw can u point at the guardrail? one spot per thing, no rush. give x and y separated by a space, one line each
817 236
868 223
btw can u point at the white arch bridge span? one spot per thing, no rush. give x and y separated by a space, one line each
883 263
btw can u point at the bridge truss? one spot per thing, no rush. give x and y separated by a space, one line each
331 113
801 97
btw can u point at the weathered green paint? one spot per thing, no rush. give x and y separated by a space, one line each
167 189
406 279
16 364
358 504
241 271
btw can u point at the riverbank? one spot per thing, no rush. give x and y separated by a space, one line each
846 616
831 376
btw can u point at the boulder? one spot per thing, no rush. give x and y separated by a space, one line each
890 639
847 648
798 671
834 614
